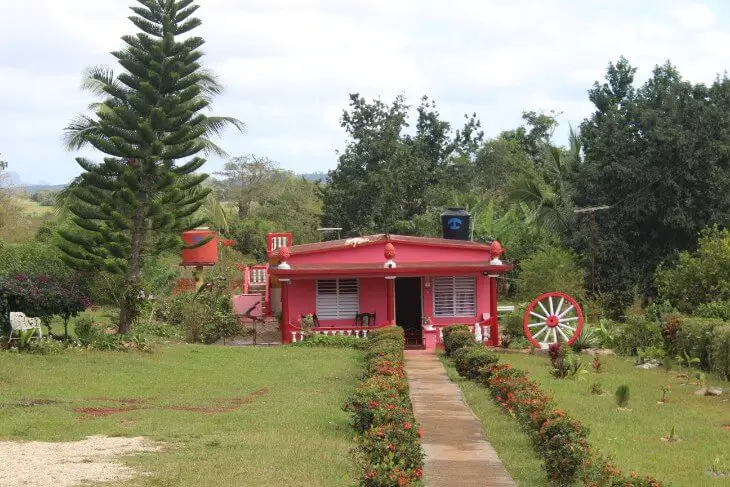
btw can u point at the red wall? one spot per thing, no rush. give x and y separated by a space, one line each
303 300
482 303
405 252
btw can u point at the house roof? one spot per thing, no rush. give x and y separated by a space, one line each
383 238
377 269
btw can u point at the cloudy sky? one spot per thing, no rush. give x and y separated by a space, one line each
288 65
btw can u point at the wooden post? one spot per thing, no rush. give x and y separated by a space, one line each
390 299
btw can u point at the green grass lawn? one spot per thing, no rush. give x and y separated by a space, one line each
634 438
229 416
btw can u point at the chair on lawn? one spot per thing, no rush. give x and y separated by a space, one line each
19 322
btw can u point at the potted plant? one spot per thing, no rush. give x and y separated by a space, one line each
427 325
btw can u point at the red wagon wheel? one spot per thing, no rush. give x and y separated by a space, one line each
553 317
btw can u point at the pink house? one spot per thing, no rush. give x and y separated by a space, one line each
352 285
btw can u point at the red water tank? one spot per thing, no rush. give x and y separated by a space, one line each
206 254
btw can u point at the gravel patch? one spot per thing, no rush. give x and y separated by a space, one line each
95 459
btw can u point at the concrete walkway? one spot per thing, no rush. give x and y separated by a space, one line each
456 452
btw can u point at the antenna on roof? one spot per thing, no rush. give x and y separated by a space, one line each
326 230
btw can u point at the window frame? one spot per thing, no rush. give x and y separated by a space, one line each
339 314
455 296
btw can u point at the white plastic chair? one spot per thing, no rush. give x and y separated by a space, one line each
19 322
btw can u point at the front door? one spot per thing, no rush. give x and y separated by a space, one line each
408 309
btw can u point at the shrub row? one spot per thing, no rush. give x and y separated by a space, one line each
720 353
390 448
456 337
560 440
332 341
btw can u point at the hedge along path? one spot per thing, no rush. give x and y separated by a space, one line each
456 452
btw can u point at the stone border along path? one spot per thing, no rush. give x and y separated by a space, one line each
456 452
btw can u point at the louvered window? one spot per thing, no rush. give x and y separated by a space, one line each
454 296
337 299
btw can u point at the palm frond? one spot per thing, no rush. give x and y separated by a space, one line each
217 125
77 133
97 78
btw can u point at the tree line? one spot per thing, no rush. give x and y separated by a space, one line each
655 154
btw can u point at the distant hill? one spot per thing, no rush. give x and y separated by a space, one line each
314 176
11 178
34 188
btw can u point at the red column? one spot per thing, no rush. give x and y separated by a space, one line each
494 326
390 298
284 324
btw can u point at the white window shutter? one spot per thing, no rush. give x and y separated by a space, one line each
454 296
337 299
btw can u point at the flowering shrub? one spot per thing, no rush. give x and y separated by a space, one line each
459 358
332 341
560 440
390 448
448 330
601 473
470 362
42 296
458 339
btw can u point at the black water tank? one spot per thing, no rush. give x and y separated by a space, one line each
455 224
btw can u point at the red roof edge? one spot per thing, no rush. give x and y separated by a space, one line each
384 238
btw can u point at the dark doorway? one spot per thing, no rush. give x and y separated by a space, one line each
408 309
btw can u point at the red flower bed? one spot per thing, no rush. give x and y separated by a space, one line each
390 448
560 440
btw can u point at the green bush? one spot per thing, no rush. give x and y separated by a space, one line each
448 330
720 351
656 310
476 359
46 346
458 339
551 269
588 338
715 309
511 324
87 332
459 359
389 446
635 334
158 330
698 277
606 332
332 341
383 348
694 338
389 333
560 441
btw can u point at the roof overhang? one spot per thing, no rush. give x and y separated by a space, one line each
403 270
381 239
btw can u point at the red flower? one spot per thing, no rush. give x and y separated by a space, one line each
407 426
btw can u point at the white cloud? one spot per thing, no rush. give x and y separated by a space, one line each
289 65
693 15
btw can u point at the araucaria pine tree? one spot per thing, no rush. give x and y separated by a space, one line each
150 123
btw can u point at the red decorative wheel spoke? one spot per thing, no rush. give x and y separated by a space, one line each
553 317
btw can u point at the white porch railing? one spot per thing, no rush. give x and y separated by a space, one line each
482 332
257 276
299 335
279 242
